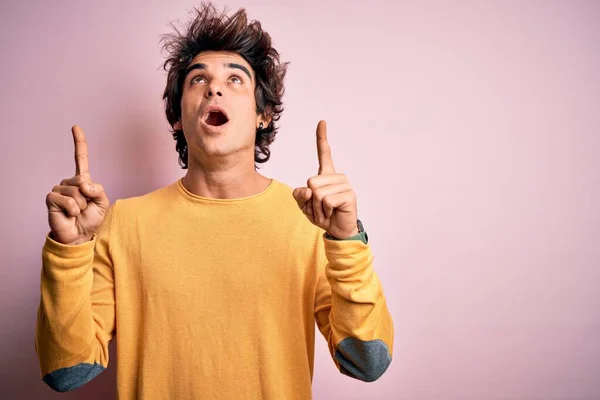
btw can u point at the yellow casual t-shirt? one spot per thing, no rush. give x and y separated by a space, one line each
209 299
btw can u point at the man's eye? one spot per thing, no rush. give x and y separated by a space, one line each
235 79
197 79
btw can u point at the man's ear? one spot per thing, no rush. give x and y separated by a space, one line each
265 118
177 126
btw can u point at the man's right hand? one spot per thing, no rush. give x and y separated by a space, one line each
76 207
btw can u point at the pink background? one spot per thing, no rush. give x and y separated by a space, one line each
470 131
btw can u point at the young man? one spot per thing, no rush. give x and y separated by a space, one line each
212 284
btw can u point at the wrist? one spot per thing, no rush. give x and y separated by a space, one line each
344 236
81 240
358 232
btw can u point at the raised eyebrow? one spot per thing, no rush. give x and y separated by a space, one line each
240 67
202 66
193 67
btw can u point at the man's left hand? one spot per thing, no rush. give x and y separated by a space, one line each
328 201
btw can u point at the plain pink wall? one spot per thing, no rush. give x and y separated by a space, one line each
470 131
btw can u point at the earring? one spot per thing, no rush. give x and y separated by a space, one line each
260 126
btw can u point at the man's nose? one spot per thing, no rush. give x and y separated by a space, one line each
213 90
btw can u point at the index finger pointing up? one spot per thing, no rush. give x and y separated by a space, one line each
81 151
323 150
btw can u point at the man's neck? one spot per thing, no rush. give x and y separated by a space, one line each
230 183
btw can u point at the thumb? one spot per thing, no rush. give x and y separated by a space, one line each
302 195
95 192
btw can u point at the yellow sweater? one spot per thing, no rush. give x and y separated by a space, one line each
209 299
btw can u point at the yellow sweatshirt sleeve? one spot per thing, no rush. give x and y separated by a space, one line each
351 310
76 315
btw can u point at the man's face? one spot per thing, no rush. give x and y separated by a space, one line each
218 108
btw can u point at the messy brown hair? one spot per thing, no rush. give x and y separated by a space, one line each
213 30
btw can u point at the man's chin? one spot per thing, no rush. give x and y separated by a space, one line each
211 150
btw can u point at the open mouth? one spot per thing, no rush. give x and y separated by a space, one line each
215 118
